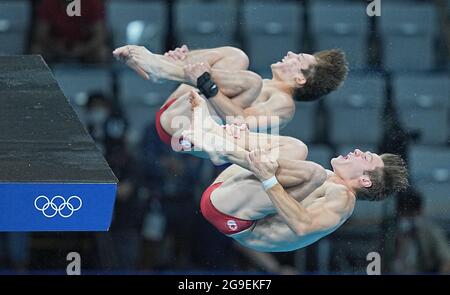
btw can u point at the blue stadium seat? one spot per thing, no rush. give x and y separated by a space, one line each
12 43
430 172
368 213
14 23
303 124
341 25
76 84
320 154
422 101
201 24
408 33
448 124
355 110
14 15
268 35
138 22
140 100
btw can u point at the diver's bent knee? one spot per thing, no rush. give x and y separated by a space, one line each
298 149
256 80
239 56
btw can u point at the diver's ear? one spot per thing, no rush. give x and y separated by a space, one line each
300 80
365 181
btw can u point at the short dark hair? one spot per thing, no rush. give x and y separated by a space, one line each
391 178
325 76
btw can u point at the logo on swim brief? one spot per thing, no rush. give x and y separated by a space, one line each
58 205
232 225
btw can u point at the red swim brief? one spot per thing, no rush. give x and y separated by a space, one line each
165 137
226 224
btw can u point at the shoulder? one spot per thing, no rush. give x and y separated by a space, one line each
336 189
329 173
340 197
282 103
282 98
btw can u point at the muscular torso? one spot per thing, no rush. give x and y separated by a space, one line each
266 93
241 195
273 102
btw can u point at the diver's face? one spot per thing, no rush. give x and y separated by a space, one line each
352 166
291 67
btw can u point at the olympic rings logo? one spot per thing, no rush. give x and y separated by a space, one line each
58 205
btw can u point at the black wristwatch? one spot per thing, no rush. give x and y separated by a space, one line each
206 85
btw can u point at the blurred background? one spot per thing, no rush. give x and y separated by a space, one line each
396 99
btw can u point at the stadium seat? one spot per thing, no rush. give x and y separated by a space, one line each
14 15
346 27
408 33
201 24
14 23
77 83
138 22
355 110
12 43
430 172
268 35
422 102
368 213
320 154
303 124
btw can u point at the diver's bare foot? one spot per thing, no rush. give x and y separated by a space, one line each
140 59
197 101
201 118
178 54
206 142
203 131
